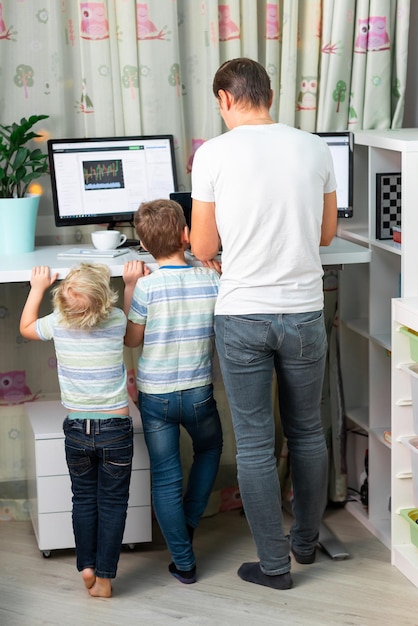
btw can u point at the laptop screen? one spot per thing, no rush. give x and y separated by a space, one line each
184 198
341 146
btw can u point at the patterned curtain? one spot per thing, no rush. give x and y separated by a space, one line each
124 67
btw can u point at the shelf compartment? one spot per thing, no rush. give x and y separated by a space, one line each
358 234
379 482
358 325
384 340
380 391
385 277
412 444
387 244
379 433
354 290
355 349
357 446
359 416
378 528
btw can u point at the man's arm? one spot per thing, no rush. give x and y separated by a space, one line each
204 236
329 218
40 281
132 271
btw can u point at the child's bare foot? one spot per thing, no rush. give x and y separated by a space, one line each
89 577
102 588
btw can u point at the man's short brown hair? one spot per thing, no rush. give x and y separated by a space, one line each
246 80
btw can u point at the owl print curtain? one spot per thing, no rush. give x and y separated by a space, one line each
126 67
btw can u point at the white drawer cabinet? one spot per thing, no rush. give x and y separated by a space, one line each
49 485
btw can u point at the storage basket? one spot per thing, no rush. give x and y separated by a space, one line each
411 515
412 444
413 375
413 341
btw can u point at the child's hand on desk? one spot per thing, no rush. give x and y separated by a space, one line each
214 265
133 270
41 278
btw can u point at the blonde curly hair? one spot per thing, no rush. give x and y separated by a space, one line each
84 298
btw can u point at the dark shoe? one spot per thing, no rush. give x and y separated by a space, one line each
251 572
187 577
304 559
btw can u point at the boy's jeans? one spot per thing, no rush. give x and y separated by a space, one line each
100 464
162 415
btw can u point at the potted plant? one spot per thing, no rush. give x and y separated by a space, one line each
20 166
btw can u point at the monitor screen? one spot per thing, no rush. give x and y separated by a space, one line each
104 180
341 146
184 199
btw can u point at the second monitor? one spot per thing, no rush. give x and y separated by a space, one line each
184 198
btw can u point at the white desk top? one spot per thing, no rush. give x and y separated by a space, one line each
14 269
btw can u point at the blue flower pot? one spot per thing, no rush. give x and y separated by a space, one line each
18 224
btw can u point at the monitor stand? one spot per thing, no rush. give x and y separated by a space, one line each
130 243
327 541
331 544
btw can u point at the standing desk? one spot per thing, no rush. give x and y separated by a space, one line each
16 269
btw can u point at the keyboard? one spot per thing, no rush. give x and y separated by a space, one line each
92 253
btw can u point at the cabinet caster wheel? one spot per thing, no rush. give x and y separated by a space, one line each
46 554
131 546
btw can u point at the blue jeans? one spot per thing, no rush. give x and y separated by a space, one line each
100 464
162 415
250 349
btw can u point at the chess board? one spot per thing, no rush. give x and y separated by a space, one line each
388 204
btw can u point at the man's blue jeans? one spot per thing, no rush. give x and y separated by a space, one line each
100 464
162 415
250 349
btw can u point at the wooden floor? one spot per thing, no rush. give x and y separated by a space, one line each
363 590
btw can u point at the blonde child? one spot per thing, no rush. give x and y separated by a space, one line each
88 334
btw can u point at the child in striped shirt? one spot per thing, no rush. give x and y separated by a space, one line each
171 314
88 334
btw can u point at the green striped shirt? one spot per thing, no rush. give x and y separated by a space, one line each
176 305
90 365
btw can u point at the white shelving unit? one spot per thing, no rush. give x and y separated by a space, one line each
366 292
404 552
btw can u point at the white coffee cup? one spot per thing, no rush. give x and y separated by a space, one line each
107 239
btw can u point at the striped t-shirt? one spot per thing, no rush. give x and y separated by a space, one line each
91 369
176 304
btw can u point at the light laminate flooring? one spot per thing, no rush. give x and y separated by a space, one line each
362 590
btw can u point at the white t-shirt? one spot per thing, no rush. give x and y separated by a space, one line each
268 184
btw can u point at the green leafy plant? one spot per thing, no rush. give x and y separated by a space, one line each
20 165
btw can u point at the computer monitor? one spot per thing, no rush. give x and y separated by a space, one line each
103 180
341 146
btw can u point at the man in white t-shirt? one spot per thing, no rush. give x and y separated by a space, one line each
266 193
